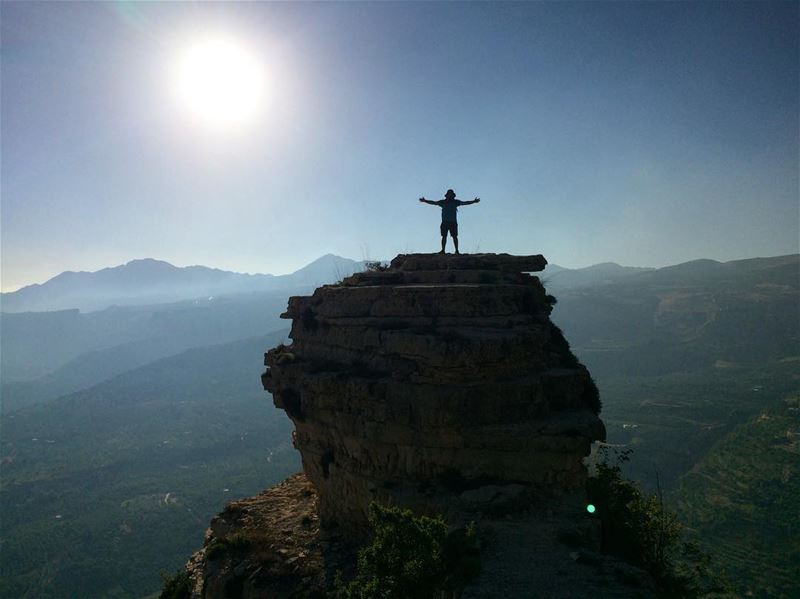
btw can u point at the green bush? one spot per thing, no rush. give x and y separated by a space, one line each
236 544
635 526
639 529
412 558
176 586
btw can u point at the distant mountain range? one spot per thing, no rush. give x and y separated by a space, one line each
95 324
151 281
685 317
556 277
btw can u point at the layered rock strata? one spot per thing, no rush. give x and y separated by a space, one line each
439 384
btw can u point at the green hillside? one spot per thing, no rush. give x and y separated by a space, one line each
686 318
104 488
684 354
690 362
743 501
671 421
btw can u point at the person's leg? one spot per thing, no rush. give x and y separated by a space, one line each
443 231
454 235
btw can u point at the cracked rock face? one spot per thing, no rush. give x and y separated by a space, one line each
439 384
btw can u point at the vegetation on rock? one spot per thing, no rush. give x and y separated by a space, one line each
412 557
637 527
376 266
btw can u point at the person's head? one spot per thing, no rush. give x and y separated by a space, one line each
450 194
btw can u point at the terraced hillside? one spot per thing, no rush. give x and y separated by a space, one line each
672 421
742 501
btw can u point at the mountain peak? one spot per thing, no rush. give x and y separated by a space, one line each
148 261
329 267
152 281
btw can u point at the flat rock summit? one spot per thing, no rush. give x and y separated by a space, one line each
439 384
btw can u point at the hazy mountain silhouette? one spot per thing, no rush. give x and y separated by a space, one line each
151 281
623 303
557 277
148 281
201 328
34 344
776 270
48 354
686 317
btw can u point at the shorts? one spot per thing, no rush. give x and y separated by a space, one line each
452 227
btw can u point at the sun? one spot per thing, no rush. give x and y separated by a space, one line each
219 82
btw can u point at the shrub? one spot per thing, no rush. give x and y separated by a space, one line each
639 529
412 558
376 266
635 527
236 544
176 586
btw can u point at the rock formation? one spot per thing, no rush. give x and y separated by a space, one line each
439 384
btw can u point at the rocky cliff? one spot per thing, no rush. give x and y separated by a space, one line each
438 384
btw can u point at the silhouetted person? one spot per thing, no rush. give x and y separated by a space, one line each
449 215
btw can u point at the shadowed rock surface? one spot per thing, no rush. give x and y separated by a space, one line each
270 545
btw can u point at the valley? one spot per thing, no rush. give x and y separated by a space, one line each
143 421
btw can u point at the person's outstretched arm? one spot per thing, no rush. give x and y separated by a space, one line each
475 201
424 201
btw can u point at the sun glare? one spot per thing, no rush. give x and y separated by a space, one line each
219 82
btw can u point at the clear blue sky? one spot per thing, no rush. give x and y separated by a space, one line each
641 133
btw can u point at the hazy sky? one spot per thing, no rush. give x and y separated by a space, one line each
641 133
